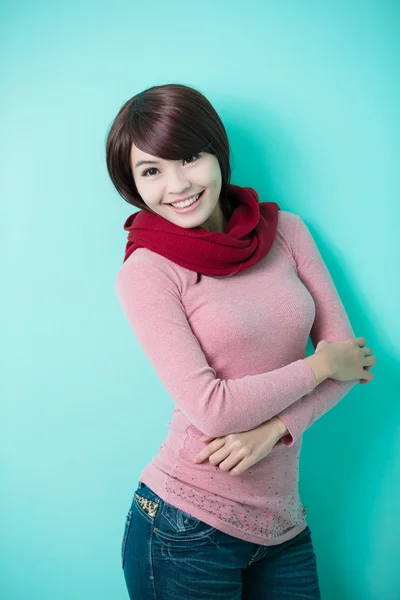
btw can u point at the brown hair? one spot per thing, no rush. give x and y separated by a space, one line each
173 122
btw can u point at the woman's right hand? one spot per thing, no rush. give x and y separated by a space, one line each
348 360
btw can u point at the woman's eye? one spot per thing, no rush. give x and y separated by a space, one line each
147 170
154 168
192 156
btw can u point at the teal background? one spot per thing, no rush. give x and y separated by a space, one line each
309 95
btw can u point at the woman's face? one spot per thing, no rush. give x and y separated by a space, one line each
167 181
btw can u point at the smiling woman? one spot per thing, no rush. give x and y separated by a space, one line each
188 148
228 348
174 187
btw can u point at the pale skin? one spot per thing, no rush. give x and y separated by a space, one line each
160 182
236 452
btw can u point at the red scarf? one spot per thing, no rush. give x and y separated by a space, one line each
250 233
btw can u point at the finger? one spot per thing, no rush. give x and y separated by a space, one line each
365 381
231 462
208 450
222 456
241 467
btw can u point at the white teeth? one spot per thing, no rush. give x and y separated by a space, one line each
186 202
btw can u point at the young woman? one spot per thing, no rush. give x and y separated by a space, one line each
222 292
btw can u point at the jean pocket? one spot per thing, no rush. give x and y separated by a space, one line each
177 524
146 505
125 536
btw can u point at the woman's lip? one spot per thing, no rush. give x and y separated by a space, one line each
193 206
199 194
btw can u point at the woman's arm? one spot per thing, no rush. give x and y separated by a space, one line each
331 324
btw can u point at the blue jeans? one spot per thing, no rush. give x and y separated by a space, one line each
167 554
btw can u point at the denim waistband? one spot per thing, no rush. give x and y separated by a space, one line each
147 492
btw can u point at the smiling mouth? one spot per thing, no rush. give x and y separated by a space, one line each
199 196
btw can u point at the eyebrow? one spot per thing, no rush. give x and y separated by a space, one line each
146 162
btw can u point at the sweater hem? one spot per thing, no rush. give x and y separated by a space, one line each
158 484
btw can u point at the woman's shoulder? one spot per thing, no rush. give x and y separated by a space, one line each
287 226
286 233
145 265
144 255
287 220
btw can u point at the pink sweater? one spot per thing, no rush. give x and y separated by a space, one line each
230 352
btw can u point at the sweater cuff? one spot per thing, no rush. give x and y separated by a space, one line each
293 432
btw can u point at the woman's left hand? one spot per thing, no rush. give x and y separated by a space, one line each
237 452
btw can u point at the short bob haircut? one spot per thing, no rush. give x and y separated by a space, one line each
172 122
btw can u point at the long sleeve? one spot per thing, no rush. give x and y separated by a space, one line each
150 298
331 324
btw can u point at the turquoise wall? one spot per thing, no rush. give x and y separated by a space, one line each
309 94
